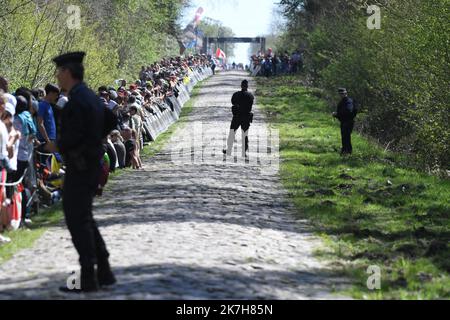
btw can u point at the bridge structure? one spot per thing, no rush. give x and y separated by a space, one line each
222 40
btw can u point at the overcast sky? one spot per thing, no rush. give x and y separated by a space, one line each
247 18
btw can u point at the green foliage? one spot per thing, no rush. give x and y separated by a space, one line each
119 37
399 74
372 209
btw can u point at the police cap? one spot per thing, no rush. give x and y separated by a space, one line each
67 58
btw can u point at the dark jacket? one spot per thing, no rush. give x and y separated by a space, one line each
82 122
243 101
346 110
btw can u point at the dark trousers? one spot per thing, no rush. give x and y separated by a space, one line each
244 124
14 177
346 133
79 192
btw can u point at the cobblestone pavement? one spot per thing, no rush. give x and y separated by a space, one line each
184 229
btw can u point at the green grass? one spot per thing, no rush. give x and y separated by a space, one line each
370 208
26 238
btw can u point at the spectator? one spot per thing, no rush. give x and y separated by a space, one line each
112 154
4 135
23 122
12 146
131 159
58 108
117 141
37 113
4 85
296 62
136 124
46 118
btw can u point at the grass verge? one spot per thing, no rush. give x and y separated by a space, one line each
369 208
26 238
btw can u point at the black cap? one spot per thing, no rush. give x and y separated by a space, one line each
71 57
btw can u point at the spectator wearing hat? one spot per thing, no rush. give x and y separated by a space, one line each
346 113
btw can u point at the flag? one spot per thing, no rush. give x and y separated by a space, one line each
220 54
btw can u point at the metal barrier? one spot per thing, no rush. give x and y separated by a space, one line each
158 123
154 124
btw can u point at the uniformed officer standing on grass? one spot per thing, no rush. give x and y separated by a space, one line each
346 114
242 102
80 143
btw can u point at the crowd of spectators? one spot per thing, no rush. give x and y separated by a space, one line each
271 64
30 120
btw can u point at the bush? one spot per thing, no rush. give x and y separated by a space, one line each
399 74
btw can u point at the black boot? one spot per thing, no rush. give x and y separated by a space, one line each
88 282
105 275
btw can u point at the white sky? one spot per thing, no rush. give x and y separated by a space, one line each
247 18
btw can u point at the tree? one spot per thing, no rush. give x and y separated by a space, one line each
399 73
119 37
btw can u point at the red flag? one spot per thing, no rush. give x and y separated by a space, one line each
220 54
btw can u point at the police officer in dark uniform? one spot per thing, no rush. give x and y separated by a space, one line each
80 143
242 102
346 113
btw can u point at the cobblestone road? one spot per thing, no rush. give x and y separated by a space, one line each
184 229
